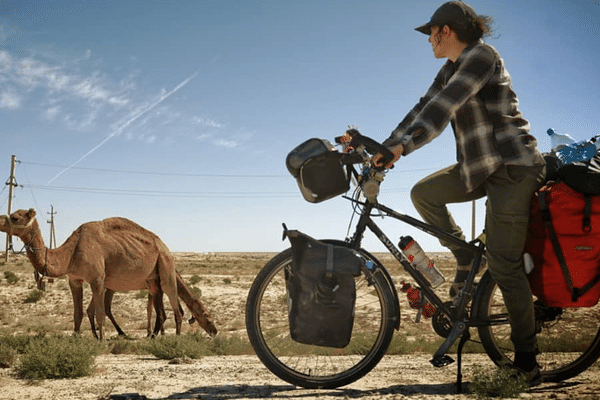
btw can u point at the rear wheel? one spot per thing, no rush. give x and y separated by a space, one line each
376 316
568 338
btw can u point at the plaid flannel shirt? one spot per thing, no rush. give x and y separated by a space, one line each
475 94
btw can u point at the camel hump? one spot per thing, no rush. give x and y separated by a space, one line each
121 224
195 306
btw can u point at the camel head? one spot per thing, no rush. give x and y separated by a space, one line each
19 223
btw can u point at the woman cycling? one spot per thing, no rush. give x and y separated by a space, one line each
497 157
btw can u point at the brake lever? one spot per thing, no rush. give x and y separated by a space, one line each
373 147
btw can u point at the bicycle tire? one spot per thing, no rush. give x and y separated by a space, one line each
569 343
314 367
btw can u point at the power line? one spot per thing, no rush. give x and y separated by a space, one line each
120 171
180 194
157 173
156 193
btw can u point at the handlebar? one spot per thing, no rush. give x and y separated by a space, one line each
371 146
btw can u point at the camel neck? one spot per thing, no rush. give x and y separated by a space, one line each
44 260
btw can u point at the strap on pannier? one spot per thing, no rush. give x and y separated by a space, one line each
576 293
321 291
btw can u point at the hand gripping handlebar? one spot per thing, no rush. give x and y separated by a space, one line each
371 146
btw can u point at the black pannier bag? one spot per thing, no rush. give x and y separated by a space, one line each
322 291
583 176
318 170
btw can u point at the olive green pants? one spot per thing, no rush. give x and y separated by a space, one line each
508 192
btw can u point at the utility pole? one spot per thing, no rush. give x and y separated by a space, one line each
11 184
52 232
473 232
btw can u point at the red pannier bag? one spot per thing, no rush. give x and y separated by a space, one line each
564 228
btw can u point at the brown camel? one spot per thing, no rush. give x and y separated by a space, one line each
114 253
128 248
199 313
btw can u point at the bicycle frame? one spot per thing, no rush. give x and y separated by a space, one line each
475 306
458 314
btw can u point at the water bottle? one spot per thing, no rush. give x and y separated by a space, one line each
559 140
417 257
414 300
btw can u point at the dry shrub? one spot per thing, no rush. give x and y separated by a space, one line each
58 357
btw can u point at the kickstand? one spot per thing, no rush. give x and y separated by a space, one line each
466 336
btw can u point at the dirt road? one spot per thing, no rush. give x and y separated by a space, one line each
244 377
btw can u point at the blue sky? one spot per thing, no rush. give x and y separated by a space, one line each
179 114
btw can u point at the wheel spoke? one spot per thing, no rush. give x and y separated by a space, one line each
315 366
568 339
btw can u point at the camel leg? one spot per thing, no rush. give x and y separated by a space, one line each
108 298
161 315
168 285
98 300
176 310
155 302
149 310
76 287
91 311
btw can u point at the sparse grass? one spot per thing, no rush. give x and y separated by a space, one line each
170 347
194 346
497 383
18 264
403 344
217 263
8 356
58 357
17 342
123 346
142 294
230 345
196 291
11 277
33 296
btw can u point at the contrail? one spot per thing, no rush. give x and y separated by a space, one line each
127 123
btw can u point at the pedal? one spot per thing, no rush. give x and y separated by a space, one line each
442 361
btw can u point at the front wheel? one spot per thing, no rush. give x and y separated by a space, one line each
313 367
568 338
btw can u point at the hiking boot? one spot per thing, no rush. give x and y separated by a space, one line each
461 276
532 378
525 364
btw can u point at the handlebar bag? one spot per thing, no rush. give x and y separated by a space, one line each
322 291
564 243
318 170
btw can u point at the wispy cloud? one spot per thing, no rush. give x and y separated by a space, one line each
78 94
130 121
71 89
226 143
10 99
207 122
61 94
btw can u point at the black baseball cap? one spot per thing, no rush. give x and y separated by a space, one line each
450 13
